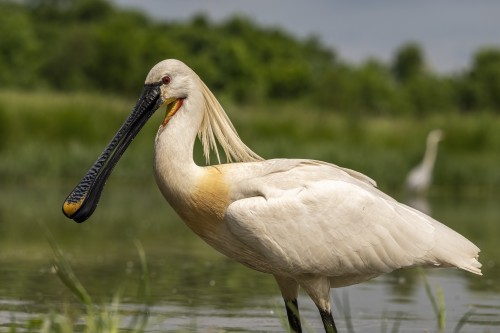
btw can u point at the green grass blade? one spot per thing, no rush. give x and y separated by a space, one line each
140 320
438 303
463 320
65 272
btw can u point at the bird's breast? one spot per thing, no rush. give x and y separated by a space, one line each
203 211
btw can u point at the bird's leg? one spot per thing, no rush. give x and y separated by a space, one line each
328 322
292 312
289 290
318 289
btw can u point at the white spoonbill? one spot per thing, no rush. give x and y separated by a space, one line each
308 223
420 177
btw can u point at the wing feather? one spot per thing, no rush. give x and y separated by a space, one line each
312 217
333 227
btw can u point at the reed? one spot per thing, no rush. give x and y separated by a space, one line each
437 301
46 135
89 317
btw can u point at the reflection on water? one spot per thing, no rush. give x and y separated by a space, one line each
214 302
196 289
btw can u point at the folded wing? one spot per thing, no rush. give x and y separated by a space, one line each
316 218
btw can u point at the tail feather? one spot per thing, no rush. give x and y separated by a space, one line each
453 249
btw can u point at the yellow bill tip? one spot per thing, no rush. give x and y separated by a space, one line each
71 207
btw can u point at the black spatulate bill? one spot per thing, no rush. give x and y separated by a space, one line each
82 201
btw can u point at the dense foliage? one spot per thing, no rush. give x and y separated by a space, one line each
74 45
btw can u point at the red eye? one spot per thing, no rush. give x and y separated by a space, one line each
166 80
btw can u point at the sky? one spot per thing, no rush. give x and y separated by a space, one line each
449 31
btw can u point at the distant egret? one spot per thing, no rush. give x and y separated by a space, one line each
309 223
420 177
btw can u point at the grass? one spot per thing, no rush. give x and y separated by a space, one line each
435 296
107 318
53 135
89 318
437 301
104 318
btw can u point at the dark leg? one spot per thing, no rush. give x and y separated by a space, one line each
318 288
292 312
327 318
290 290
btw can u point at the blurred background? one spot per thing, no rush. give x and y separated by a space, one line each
358 85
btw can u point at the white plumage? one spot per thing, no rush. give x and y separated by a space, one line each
309 223
420 177
305 217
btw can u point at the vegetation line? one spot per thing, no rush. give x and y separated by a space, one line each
85 45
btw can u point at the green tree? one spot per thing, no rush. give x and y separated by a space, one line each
482 85
19 47
375 88
92 45
408 63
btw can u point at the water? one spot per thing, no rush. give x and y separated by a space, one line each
195 289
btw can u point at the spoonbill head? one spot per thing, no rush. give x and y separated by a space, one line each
308 223
169 84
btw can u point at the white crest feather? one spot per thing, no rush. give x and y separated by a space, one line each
216 128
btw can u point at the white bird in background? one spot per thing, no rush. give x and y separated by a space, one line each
308 223
420 177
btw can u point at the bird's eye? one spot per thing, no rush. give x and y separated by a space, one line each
166 79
